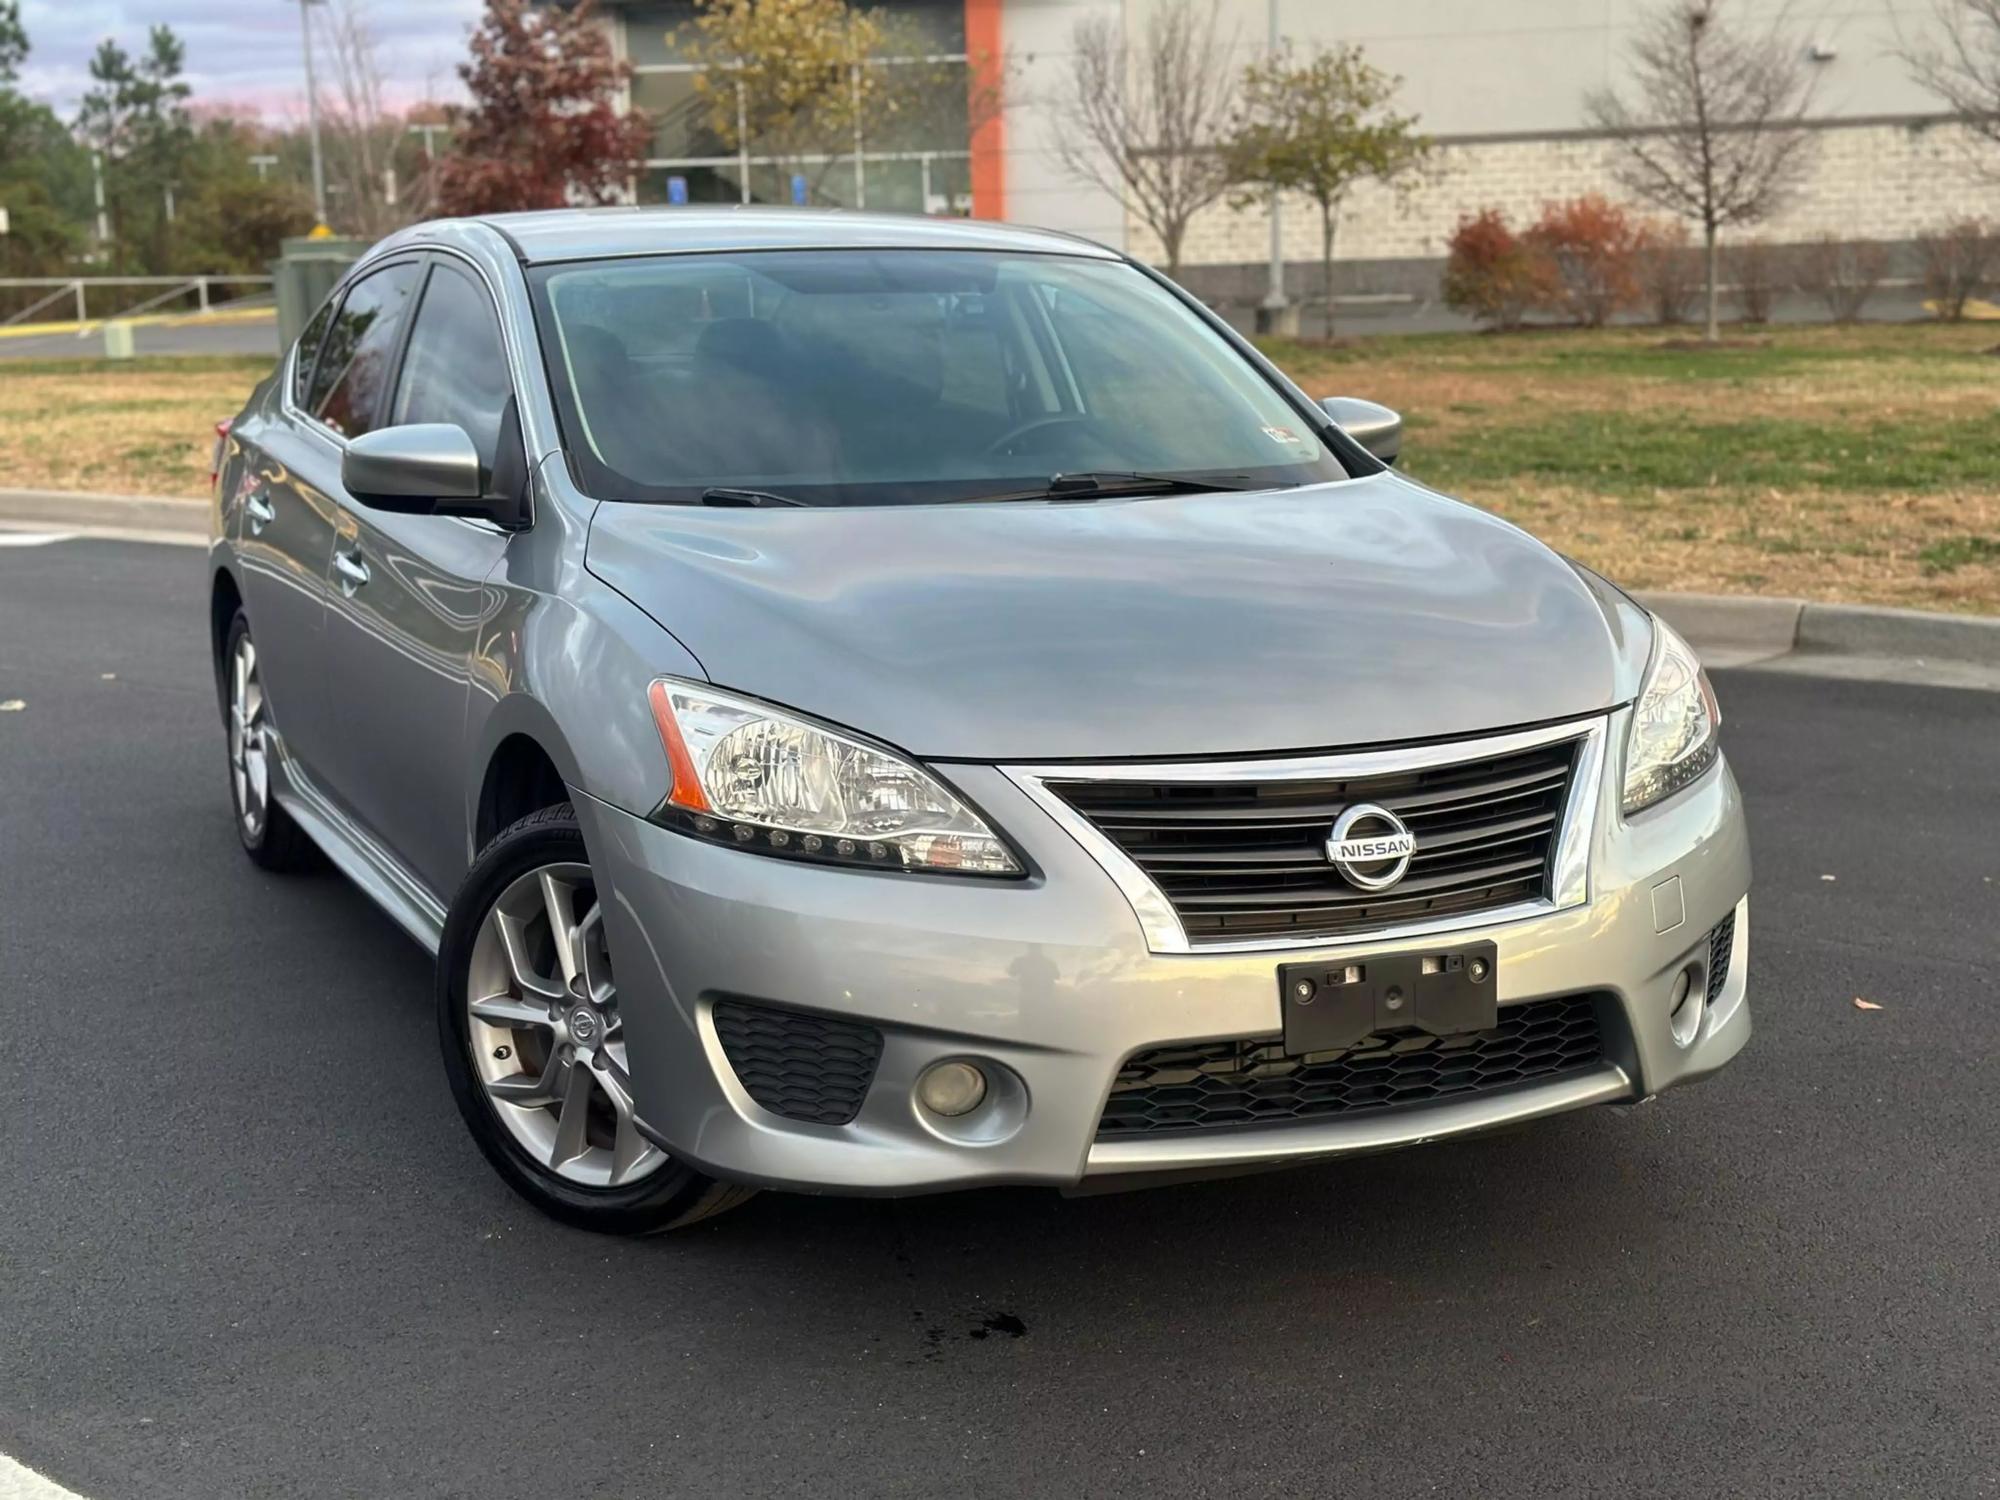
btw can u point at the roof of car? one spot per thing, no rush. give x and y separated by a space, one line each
590 233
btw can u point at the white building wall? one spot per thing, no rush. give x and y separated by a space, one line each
1037 36
1482 74
1478 67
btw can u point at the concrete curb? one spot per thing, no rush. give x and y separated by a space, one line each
63 510
1732 631
1848 630
214 318
1729 631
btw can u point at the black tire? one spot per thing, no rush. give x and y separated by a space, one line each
276 843
672 1196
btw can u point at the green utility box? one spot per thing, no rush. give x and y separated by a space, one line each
304 272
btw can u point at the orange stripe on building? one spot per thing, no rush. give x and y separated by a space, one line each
986 65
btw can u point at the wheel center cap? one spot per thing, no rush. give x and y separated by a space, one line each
584 1026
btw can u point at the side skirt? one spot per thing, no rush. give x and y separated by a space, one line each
362 859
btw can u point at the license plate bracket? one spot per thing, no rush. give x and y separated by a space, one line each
1331 1004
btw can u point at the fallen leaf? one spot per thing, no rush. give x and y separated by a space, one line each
13 706
1860 1004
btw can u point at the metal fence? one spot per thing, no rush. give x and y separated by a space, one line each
87 299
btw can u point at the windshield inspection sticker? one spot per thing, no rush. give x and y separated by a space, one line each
1282 435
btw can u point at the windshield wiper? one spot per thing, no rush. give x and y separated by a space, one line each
1097 484
724 496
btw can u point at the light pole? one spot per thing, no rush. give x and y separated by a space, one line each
429 130
1271 312
97 190
312 111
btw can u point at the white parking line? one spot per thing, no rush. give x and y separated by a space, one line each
18 1482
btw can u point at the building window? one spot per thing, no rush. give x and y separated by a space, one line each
915 162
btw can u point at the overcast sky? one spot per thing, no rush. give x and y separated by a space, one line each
243 52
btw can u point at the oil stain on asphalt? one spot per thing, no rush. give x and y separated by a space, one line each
989 1325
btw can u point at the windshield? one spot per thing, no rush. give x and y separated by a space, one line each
882 377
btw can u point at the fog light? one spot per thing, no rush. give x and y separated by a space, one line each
951 1089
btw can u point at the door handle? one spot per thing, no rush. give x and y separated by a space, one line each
352 570
260 510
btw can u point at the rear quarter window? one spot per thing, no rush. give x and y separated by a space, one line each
302 366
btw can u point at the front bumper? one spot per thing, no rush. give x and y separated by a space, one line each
1051 980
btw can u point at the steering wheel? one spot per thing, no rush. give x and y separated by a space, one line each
1007 439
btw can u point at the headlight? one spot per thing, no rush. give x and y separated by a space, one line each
1674 720
758 778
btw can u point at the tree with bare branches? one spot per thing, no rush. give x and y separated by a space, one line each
1147 122
1962 68
1714 129
364 137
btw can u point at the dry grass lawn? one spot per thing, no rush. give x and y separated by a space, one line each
143 428
1826 463
1859 464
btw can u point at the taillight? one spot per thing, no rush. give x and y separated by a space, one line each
215 463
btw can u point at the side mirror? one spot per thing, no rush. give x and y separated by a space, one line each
1376 428
422 469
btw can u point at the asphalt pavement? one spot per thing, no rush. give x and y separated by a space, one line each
246 1247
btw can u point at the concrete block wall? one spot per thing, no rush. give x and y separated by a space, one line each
1886 181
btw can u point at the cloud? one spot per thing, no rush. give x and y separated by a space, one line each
242 52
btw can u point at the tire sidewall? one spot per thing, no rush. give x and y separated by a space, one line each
548 837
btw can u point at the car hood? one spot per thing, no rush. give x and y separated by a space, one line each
1355 613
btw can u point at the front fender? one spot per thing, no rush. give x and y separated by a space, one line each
566 660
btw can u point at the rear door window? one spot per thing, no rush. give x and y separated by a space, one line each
358 356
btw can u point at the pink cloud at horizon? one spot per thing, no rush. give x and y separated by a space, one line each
244 54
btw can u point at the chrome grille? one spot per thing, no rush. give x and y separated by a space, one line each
1246 859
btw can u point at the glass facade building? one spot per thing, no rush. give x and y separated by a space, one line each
914 160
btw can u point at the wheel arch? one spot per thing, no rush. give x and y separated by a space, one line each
225 598
525 765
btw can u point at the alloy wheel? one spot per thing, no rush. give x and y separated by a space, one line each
548 1045
249 748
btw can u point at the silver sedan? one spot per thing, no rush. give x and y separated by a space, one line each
880 705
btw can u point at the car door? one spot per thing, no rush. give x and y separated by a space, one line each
407 594
290 522
284 540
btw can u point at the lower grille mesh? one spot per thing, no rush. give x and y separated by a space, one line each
801 1066
1721 942
1218 1085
